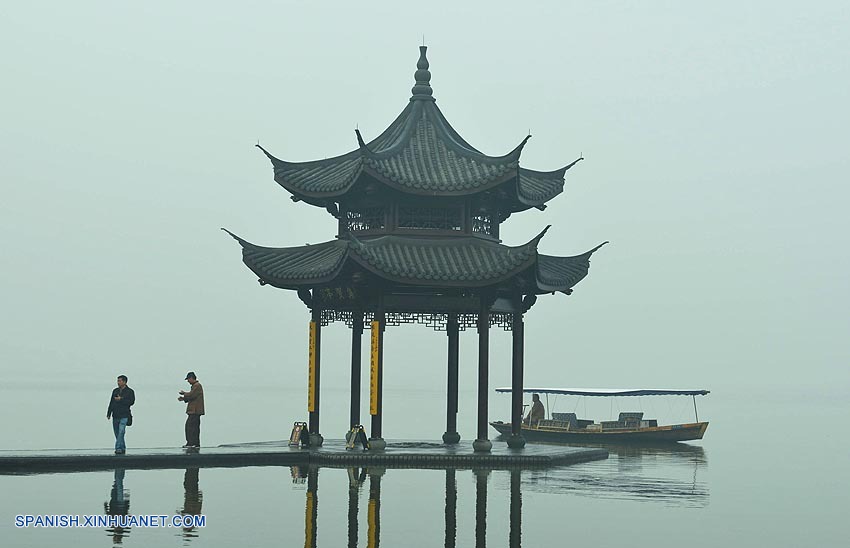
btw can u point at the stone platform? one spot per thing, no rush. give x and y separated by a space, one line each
398 454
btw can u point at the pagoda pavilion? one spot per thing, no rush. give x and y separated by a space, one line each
418 211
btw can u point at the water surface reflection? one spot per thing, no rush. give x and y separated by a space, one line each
193 500
119 504
668 474
665 474
359 477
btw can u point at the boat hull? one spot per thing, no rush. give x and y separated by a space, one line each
656 434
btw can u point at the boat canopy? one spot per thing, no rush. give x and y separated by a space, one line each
610 391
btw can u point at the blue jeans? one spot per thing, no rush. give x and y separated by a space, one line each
119 426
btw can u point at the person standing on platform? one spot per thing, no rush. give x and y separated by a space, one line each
194 399
119 411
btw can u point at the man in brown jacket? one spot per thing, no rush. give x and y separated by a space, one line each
194 399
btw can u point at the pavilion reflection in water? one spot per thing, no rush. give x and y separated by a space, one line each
359 477
665 475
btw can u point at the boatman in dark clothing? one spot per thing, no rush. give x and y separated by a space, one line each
194 399
119 411
537 412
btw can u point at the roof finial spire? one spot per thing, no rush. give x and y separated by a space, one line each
422 89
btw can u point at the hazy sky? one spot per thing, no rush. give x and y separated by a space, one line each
715 138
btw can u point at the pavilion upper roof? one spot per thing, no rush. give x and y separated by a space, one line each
464 262
421 154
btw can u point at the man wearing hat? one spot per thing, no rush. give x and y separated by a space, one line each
194 399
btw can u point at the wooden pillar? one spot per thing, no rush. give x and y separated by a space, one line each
356 338
451 435
482 443
315 376
516 439
376 382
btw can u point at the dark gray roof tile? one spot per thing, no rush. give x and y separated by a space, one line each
417 260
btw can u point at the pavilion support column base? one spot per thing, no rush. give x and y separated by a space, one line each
377 444
482 446
451 438
516 441
316 439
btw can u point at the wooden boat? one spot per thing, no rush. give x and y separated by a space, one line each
630 427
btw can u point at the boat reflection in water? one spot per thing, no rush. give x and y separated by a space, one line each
667 474
359 477
118 505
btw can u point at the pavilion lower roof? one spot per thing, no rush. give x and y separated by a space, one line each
420 261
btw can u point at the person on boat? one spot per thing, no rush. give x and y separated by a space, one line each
537 412
119 411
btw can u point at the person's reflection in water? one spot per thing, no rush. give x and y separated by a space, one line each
193 499
118 505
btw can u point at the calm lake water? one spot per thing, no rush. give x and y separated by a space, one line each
771 471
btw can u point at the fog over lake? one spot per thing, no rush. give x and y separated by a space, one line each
714 139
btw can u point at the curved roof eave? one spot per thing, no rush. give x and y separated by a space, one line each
318 264
457 263
562 273
535 188
343 170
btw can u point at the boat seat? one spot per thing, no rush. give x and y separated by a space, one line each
553 423
630 416
566 417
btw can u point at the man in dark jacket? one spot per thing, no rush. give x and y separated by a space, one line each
119 411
